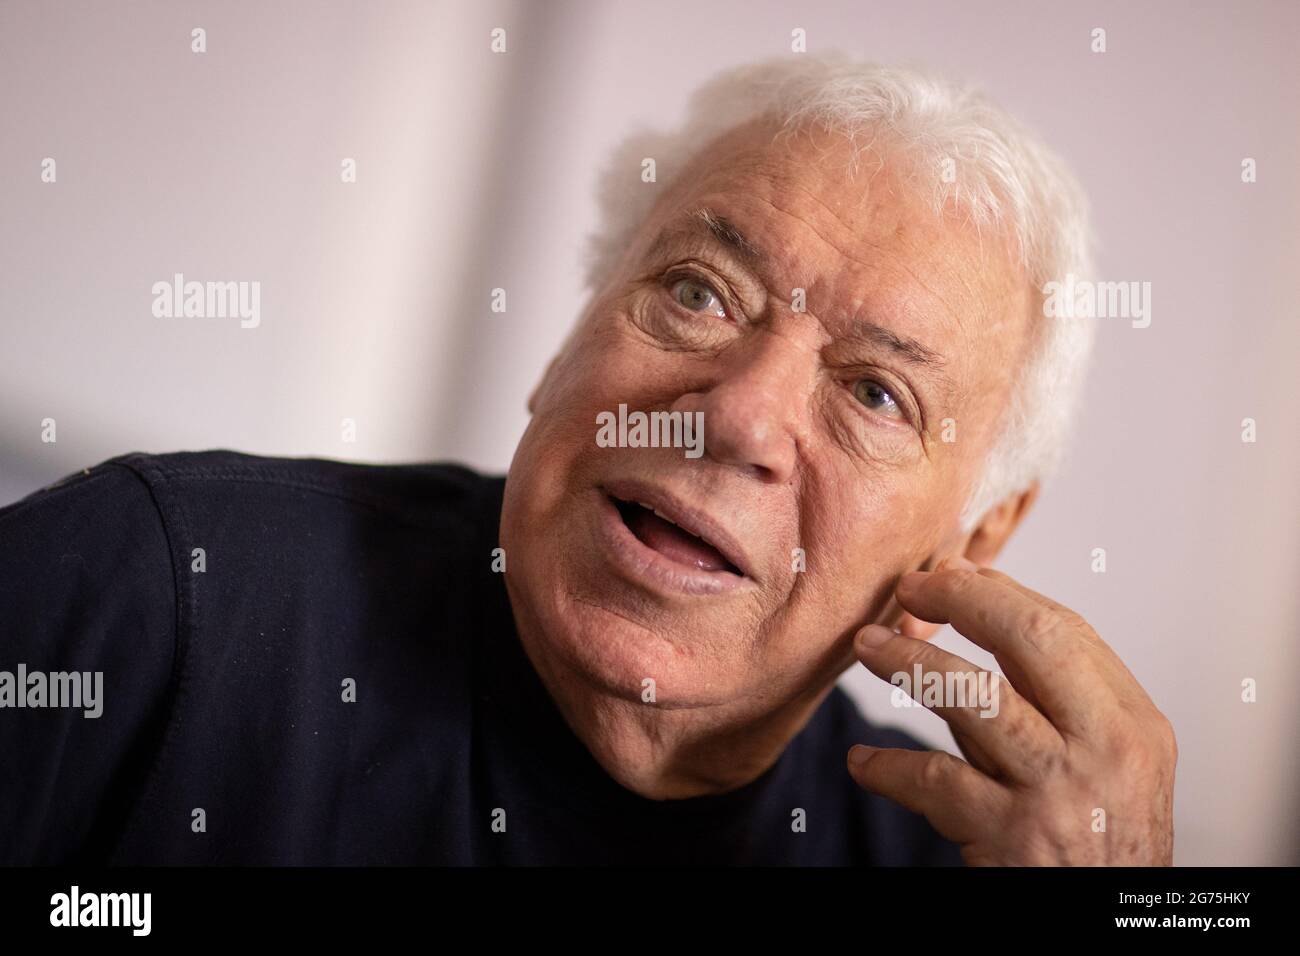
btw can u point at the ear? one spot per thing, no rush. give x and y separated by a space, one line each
991 534
981 546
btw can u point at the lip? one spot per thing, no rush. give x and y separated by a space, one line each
648 562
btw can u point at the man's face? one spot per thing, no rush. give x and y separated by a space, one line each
842 428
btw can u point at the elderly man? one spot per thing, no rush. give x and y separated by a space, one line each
828 309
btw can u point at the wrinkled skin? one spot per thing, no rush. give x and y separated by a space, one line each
1077 765
801 451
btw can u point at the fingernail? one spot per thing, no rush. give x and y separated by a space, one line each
860 754
873 635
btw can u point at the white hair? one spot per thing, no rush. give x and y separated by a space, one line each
1001 176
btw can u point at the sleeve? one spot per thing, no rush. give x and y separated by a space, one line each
88 617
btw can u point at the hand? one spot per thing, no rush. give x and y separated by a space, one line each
1077 766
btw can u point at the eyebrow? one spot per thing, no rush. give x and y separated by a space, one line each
703 221
912 351
727 234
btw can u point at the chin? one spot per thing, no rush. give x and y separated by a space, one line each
616 639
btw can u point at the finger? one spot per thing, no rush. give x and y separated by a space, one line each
1067 615
1011 738
1045 658
958 800
1123 681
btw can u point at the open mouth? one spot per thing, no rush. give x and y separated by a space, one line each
660 533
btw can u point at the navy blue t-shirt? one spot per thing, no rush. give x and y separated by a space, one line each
313 662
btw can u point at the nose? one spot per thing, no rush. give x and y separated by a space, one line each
753 411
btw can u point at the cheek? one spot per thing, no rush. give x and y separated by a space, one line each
585 379
606 357
602 366
617 362
862 530
856 544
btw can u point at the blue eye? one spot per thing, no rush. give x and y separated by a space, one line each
697 297
877 398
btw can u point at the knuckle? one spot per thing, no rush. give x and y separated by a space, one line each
1050 763
936 769
1040 628
1075 620
1142 741
1128 749
1043 759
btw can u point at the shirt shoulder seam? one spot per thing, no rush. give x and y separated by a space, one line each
186 604
383 505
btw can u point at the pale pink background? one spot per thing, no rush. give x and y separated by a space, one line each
476 170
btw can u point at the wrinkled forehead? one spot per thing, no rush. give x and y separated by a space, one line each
854 225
